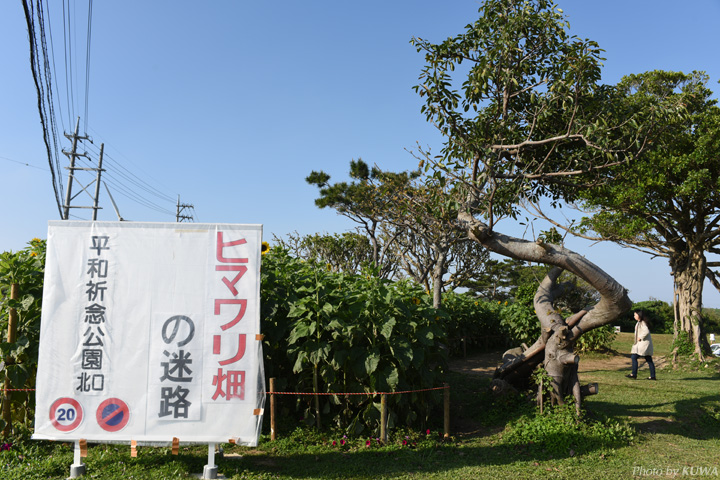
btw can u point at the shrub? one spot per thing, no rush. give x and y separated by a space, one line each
597 340
520 323
26 269
559 431
469 318
660 314
518 319
684 344
328 332
712 320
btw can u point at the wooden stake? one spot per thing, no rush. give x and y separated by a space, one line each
383 418
11 338
446 406
272 409
316 390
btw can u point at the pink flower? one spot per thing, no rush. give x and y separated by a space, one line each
367 443
334 443
427 432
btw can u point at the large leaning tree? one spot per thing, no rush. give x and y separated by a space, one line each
667 202
530 120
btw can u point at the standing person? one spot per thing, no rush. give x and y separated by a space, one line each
643 346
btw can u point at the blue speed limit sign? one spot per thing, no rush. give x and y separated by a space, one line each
66 414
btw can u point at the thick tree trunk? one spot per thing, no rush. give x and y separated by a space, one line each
555 346
689 274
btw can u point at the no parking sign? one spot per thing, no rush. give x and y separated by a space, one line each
113 414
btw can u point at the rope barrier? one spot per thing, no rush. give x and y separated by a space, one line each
362 393
383 427
289 393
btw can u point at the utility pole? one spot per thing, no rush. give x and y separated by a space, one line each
72 178
180 209
97 183
68 195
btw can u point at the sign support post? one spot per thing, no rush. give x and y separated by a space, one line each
210 470
77 469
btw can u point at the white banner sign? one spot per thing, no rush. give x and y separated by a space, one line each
149 332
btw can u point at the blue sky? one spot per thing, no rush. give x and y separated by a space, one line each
230 104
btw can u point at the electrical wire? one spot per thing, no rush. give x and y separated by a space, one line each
49 100
48 16
30 20
133 178
68 63
87 60
127 184
23 163
135 187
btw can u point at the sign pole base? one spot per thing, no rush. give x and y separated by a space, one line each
210 470
77 469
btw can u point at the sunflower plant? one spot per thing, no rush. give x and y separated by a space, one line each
335 333
25 269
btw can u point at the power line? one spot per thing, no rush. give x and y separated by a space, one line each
125 160
123 189
52 57
37 78
135 187
87 60
23 163
50 102
115 166
68 63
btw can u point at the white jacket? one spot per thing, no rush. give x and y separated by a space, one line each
643 341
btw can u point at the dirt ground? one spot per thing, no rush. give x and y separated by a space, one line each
484 364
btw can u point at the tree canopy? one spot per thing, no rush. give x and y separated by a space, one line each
524 117
406 217
667 201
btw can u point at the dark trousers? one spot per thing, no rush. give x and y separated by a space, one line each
648 359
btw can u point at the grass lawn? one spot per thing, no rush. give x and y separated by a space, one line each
676 425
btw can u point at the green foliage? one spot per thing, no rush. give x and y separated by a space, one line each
530 89
406 218
26 269
712 319
597 340
684 344
659 313
518 320
472 319
540 377
666 201
347 252
559 431
525 294
361 334
498 280
520 323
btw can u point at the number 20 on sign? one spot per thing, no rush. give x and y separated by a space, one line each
66 414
